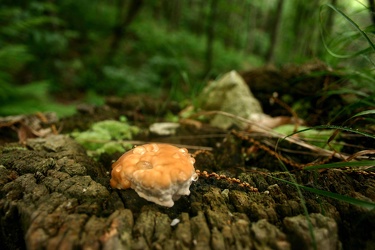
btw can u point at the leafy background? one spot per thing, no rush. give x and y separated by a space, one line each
65 51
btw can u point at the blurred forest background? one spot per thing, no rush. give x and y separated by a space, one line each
66 50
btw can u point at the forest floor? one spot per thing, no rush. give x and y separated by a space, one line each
54 196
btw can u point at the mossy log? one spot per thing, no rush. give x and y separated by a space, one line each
53 196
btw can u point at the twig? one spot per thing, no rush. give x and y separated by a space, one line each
269 132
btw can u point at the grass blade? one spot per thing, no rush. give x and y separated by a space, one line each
366 112
340 197
350 21
342 165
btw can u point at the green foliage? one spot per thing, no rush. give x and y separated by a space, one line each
92 18
349 36
106 137
93 98
169 61
352 46
319 138
67 44
29 99
13 58
25 34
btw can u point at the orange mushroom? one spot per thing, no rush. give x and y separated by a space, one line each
160 173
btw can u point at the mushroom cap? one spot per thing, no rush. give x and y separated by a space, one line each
157 172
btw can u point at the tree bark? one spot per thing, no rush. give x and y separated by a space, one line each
53 196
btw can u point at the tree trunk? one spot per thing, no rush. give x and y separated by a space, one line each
119 31
274 32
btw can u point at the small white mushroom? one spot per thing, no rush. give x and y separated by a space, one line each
174 222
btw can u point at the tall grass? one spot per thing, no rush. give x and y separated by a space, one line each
363 87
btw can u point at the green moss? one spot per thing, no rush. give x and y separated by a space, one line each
106 137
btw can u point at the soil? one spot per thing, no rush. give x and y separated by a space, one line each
54 196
